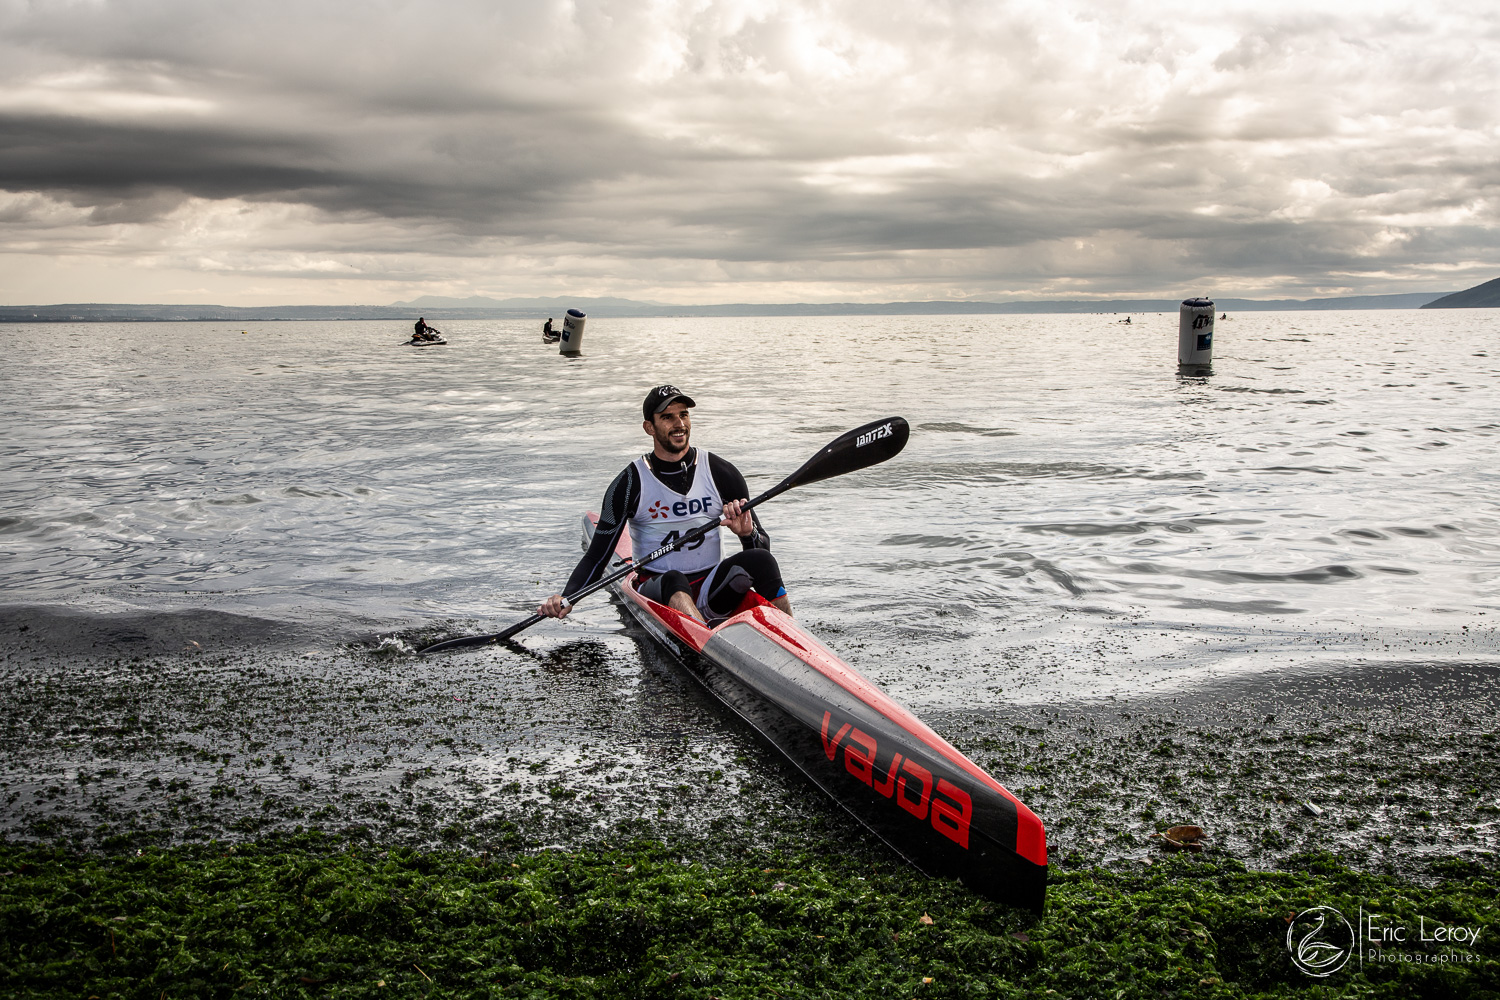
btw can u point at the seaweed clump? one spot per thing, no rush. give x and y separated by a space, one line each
317 916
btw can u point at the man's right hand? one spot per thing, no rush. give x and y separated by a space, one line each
554 607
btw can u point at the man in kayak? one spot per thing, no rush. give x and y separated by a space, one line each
666 493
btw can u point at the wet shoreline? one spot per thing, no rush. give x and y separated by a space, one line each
120 732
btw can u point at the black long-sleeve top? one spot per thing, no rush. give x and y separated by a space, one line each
624 495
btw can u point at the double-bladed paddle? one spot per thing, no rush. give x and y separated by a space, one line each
849 452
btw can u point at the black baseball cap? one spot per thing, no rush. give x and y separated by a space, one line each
661 397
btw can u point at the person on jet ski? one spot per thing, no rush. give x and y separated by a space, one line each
548 334
424 332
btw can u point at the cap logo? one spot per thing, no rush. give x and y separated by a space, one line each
659 397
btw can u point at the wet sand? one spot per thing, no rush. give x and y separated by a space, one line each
121 731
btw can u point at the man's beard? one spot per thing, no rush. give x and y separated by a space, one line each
664 441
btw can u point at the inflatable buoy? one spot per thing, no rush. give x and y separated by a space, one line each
1195 333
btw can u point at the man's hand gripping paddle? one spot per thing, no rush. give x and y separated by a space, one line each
849 452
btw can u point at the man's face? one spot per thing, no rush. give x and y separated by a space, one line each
670 428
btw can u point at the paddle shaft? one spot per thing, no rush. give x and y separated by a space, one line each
606 580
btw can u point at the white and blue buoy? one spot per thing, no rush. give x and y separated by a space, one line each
571 341
1195 334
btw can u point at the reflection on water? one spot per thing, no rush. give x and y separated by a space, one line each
1054 531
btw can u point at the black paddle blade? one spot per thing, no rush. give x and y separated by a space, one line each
495 639
459 643
853 450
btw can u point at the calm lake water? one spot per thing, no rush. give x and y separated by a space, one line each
204 525
1071 519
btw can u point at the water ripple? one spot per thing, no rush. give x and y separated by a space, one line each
1056 528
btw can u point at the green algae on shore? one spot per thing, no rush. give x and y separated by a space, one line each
317 916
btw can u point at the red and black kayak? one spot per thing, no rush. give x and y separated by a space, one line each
908 785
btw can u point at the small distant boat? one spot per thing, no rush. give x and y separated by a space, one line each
416 342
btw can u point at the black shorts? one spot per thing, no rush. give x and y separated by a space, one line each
727 583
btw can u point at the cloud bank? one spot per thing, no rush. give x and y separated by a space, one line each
744 150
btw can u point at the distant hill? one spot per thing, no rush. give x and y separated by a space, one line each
1486 295
558 304
1405 300
129 312
439 308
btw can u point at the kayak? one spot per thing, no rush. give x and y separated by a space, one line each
902 781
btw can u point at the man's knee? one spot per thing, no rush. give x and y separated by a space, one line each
765 572
753 568
660 589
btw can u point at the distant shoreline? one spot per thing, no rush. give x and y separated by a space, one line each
621 308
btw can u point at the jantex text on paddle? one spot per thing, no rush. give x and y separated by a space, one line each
883 431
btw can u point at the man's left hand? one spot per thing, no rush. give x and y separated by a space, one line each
737 519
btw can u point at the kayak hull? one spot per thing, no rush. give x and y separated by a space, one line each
889 771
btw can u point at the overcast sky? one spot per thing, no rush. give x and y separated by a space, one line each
699 151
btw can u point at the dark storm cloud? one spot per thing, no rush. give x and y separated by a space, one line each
465 176
967 148
101 162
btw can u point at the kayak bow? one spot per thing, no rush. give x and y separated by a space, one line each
904 782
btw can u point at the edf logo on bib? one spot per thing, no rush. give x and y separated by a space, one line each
663 515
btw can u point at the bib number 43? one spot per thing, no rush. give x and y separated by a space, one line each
672 536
